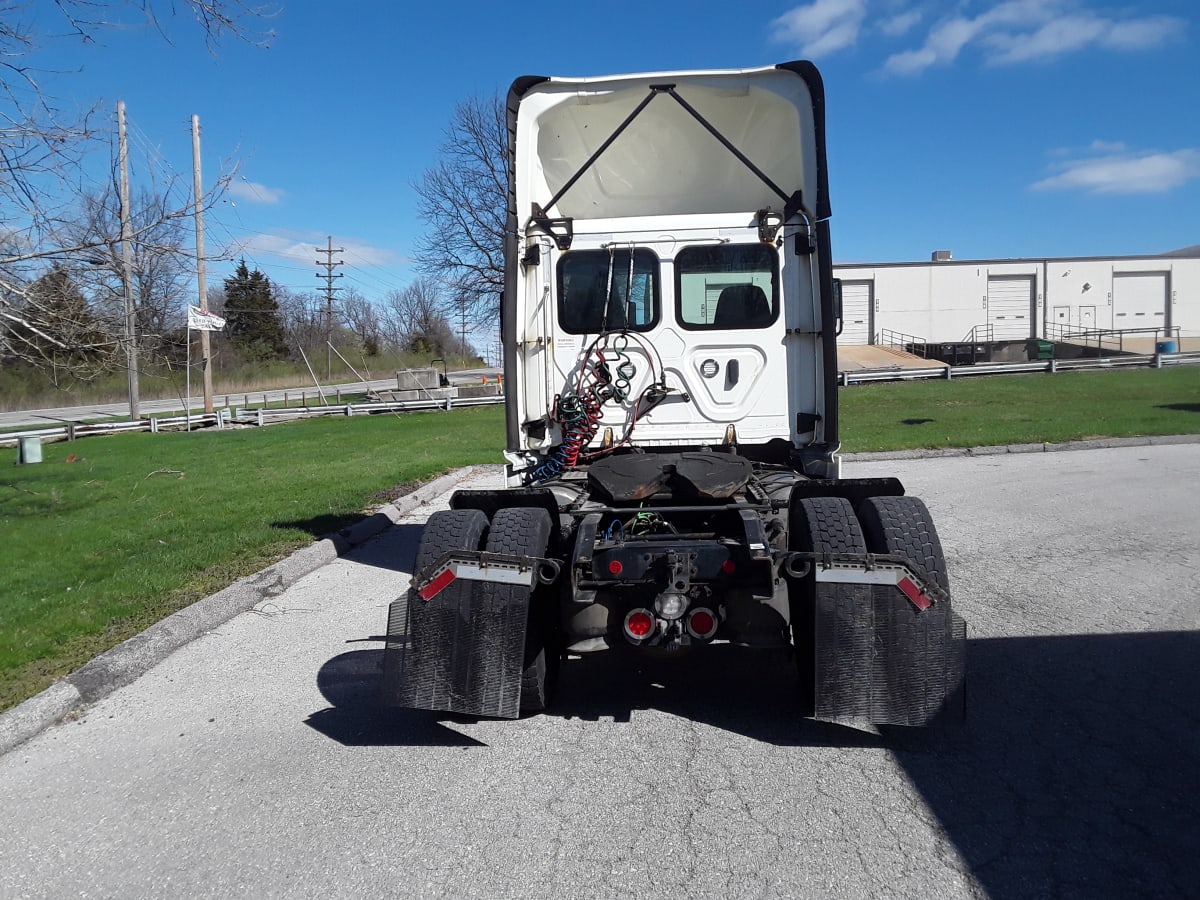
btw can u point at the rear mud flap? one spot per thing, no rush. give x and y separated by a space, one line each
881 661
461 652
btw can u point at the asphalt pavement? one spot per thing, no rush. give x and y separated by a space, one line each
255 760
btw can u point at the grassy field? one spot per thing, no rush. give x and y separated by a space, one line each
1018 409
108 535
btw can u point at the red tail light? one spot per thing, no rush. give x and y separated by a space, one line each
702 623
729 567
639 624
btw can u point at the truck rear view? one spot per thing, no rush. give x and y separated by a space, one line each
669 323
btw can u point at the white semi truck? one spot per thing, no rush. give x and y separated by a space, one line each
669 322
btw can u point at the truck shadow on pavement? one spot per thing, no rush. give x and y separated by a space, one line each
350 683
1076 773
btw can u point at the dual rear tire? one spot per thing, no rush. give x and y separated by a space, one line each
899 526
518 531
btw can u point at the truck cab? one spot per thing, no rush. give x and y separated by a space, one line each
669 322
672 228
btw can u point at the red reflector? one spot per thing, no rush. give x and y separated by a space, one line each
435 587
729 567
615 567
702 623
639 623
910 590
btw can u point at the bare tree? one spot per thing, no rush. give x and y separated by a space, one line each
45 154
362 318
162 264
463 199
303 314
415 319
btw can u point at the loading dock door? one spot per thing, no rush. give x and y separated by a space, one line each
1010 307
1139 300
856 313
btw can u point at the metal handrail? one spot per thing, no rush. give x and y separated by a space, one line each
973 336
1077 334
911 343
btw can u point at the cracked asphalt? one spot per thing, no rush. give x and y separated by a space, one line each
254 761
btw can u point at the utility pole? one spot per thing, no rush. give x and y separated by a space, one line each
131 361
205 342
329 265
463 340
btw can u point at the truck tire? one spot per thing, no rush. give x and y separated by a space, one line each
525 531
903 526
817 525
409 672
927 648
449 529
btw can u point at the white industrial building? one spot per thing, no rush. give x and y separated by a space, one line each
1011 300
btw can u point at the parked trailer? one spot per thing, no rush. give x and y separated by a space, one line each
670 321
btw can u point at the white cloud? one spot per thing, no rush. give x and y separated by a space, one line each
1017 31
302 247
253 192
899 24
821 27
1124 172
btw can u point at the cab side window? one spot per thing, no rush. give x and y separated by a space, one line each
727 287
602 290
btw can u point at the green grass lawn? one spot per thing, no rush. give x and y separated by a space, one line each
1020 409
137 526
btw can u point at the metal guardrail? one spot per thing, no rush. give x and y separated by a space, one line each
896 373
263 416
73 430
226 417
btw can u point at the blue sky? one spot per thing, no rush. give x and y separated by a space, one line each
993 129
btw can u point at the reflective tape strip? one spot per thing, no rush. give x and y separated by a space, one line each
436 586
913 593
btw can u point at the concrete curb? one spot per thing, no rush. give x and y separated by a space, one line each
129 660
1003 449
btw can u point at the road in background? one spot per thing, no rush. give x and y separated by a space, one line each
256 761
88 413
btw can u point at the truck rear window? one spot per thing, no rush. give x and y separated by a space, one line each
730 286
602 290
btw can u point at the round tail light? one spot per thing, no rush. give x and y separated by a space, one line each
702 623
639 624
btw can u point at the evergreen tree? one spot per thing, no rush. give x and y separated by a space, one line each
254 325
55 325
